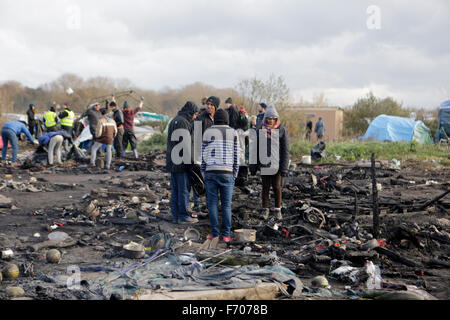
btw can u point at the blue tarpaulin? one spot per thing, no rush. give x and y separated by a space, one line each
443 121
392 128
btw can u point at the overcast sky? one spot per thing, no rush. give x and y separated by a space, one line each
340 48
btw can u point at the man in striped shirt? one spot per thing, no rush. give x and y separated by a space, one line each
220 166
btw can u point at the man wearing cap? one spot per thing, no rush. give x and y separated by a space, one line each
207 115
128 125
207 118
106 131
93 114
51 120
31 118
220 166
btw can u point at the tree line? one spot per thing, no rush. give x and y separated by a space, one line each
79 93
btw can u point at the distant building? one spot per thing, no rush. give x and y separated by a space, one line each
333 118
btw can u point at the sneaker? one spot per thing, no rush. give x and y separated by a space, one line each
226 239
193 215
188 220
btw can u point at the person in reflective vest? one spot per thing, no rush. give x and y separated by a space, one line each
67 117
51 120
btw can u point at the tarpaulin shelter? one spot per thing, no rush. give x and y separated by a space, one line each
149 116
392 128
443 121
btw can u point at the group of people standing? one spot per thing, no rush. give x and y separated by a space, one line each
319 129
224 159
58 131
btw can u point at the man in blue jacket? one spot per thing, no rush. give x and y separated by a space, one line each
10 132
54 141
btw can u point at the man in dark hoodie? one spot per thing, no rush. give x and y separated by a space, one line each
179 180
261 110
233 113
279 159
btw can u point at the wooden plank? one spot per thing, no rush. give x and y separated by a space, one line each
263 291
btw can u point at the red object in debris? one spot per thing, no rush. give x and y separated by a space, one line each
318 167
320 247
382 243
286 232
60 224
337 244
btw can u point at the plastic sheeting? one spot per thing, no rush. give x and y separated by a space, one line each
443 121
84 136
392 128
185 273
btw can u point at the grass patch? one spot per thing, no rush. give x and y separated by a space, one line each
157 142
351 151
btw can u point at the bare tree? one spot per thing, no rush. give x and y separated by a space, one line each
271 91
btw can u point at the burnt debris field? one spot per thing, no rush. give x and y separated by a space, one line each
115 238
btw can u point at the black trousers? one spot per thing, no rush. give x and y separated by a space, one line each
129 137
118 142
31 126
274 182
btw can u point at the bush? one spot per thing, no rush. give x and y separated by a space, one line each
157 142
352 151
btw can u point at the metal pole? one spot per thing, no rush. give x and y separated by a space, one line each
376 225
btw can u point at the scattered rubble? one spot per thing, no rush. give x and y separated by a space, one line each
115 233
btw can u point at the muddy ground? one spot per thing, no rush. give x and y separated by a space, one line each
412 248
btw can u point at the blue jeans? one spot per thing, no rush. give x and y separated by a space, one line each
195 198
223 183
9 136
179 197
